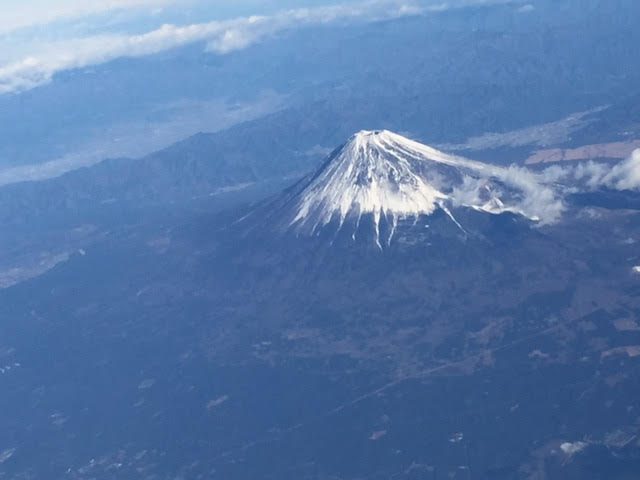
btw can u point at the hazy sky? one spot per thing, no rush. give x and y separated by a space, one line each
51 127
41 38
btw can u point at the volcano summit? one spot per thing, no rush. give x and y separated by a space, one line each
380 175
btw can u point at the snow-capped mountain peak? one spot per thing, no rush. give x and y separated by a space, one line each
382 174
368 175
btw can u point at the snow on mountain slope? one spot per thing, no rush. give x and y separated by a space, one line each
380 173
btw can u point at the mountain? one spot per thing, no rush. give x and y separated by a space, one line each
399 313
379 181
493 347
200 168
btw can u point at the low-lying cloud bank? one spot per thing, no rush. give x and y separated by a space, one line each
38 68
592 175
623 176
542 193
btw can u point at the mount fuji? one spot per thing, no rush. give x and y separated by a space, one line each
399 313
425 287
379 180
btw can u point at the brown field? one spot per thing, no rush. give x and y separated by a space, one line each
587 152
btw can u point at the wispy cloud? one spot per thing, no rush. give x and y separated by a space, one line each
591 175
541 193
527 193
38 67
242 32
622 176
526 8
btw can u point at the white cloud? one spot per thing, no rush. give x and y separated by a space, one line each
538 198
527 192
573 448
39 67
240 33
624 175
542 192
526 8
7 454
222 37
